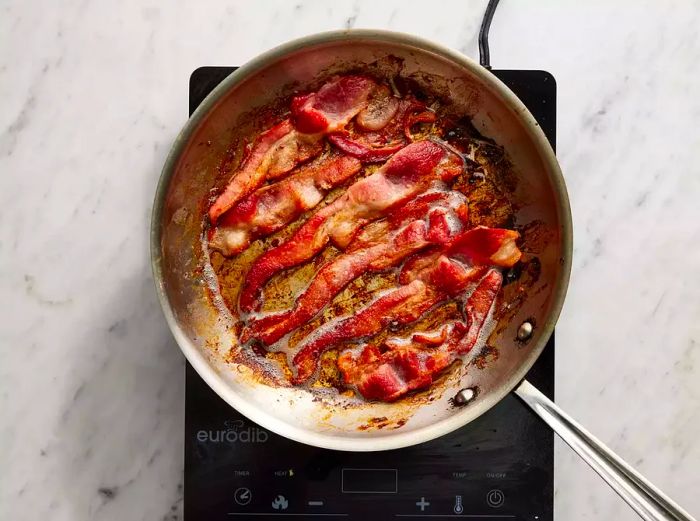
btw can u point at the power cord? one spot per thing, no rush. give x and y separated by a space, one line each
484 55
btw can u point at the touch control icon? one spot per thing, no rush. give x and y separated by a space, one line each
280 503
495 498
459 508
242 496
422 504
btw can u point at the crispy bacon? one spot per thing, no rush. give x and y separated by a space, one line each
414 209
479 247
441 279
477 309
375 249
336 103
434 278
409 364
389 375
427 338
333 277
487 246
274 206
400 306
253 170
366 153
281 148
407 173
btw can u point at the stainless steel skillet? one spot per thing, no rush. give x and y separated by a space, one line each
331 421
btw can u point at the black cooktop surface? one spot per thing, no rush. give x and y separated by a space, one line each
500 466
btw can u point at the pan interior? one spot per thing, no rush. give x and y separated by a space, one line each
190 173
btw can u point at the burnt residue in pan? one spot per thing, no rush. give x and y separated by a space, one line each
486 354
518 286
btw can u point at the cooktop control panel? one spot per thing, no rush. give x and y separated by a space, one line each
498 467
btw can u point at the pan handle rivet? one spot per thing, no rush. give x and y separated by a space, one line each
464 396
525 331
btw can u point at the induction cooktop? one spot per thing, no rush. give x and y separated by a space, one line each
499 466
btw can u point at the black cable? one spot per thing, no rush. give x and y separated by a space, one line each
484 56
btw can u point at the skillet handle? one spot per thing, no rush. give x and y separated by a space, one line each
648 501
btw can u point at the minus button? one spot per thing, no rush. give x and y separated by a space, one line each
315 503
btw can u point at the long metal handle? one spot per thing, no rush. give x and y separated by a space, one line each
648 501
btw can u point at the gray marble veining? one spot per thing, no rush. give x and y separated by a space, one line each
91 384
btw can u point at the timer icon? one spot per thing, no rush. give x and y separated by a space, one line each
242 496
458 509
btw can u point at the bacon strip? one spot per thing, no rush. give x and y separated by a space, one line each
389 127
477 309
376 249
354 148
332 278
487 246
410 364
333 106
395 129
380 110
388 375
402 305
407 173
274 206
279 149
274 152
422 117
431 285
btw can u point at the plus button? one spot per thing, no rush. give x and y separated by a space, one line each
422 504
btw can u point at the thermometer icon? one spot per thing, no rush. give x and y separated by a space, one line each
458 505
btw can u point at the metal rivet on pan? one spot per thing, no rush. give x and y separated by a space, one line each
525 331
464 396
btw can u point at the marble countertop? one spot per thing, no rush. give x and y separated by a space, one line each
93 94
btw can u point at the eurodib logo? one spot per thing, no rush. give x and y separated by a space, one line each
235 431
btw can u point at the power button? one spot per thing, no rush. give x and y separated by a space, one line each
495 498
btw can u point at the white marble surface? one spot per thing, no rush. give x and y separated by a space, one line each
93 93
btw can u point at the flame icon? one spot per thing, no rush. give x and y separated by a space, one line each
280 503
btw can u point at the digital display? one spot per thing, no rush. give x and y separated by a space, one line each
369 481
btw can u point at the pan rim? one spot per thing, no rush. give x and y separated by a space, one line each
397 439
